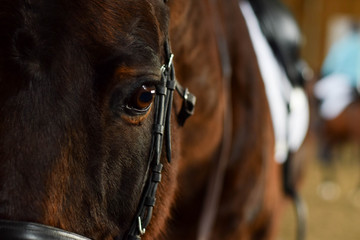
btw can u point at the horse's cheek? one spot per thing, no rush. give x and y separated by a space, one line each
125 169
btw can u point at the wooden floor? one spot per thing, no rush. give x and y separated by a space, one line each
338 217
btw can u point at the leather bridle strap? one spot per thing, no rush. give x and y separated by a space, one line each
11 230
161 121
161 128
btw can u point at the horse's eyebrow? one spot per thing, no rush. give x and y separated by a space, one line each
124 65
130 53
136 72
128 63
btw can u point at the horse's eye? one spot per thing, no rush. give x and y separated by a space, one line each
141 100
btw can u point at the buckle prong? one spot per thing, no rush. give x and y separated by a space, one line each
141 229
170 60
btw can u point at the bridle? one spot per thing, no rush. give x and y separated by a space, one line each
161 129
16 230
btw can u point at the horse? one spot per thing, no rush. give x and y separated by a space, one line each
332 134
337 98
92 117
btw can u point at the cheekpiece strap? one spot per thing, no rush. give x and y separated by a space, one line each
161 132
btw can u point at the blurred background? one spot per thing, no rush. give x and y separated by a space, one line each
322 23
331 191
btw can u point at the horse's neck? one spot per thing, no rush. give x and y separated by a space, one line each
197 64
193 41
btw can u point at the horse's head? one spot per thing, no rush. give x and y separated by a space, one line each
77 82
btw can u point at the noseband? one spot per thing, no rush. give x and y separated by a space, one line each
14 230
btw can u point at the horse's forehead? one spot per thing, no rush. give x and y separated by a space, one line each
93 22
48 36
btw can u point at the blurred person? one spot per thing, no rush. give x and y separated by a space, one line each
338 87
340 75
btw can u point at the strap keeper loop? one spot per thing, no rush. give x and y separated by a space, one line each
171 85
159 129
160 90
150 201
156 177
157 168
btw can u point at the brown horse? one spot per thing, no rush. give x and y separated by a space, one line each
77 106
337 95
344 127
335 133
